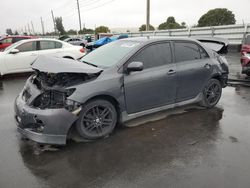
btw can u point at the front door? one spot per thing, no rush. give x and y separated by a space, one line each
21 61
156 84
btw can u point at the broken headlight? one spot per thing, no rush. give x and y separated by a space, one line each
72 105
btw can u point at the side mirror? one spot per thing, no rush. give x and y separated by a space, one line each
14 51
135 66
1 43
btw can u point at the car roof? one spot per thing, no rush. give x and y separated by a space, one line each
149 39
19 36
41 39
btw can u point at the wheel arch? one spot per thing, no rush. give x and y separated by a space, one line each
109 98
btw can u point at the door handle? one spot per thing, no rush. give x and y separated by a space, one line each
207 66
171 72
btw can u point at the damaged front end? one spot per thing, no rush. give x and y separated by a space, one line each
43 111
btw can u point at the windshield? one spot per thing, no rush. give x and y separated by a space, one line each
110 54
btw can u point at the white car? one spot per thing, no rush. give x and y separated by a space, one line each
18 57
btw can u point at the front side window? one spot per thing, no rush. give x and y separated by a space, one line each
47 45
188 51
155 55
26 47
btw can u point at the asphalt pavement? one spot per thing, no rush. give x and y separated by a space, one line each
185 147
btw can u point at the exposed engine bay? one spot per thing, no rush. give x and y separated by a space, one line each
54 89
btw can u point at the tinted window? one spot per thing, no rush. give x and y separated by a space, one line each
17 39
155 55
58 45
26 47
185 51
46 45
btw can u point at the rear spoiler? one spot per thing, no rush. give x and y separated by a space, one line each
219 45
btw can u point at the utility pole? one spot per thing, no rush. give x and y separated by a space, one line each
25 29
79 15
32 27
29 29
53 20
42 25
148 16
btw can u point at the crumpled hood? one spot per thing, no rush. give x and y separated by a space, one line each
215 43
62 65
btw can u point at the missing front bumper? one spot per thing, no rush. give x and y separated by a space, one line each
55 122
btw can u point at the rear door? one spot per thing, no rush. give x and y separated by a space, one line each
156 84
194 69
22 60
50 48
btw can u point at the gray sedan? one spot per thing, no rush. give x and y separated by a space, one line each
116 83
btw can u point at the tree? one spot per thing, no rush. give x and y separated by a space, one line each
171 24
72 32
16 33
102 29
9 31
143 28
59 25
86 31
215 17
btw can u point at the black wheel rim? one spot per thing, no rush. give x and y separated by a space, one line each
213 93
97 121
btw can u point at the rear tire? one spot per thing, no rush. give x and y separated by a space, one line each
97 119
211 93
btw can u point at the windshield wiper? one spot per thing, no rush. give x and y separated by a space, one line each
90 63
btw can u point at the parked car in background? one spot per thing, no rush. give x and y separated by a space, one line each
245 56
9 40
19 56
76 41
104 40
115 83
63 37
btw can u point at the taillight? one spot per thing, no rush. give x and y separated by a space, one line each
82 50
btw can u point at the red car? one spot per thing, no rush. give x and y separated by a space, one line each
7 41
245 56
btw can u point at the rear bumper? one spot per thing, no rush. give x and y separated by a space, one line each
48 126
224 80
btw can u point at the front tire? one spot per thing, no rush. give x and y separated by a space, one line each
211 93
97 119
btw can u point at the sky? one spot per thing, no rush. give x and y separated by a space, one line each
16 14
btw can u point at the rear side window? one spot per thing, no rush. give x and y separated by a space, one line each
16 39
7 40
46 45
187 51
26 47
155 55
